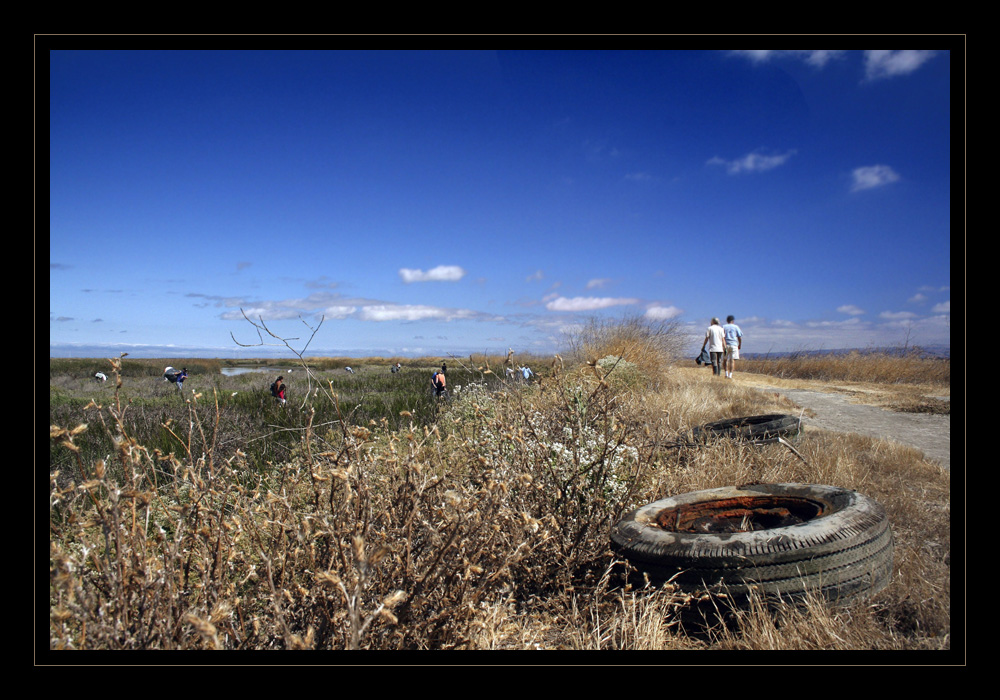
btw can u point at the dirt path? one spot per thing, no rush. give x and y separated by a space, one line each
930 433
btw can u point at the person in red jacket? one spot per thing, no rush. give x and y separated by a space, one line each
278 390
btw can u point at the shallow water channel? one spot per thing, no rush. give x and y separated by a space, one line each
235 371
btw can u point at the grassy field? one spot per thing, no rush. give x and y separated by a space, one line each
365 514
901 381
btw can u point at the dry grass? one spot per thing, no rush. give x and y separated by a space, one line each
912 382
484 530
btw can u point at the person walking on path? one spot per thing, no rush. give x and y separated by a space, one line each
734 342
715 339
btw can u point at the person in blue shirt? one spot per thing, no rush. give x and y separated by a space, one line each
734 342
438 383
174 377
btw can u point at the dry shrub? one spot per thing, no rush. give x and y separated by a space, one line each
366 538
484 530
646 345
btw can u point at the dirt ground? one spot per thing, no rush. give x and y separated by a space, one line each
843 409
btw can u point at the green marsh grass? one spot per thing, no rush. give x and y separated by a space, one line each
366 515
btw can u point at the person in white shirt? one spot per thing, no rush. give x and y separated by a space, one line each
715 338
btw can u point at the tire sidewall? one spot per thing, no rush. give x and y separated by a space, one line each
843 511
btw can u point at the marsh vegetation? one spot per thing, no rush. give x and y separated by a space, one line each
367 515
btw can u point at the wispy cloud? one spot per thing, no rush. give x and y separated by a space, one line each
850 310
587 303
338 312
943 308
887 64
870 176
598 283
441 273
755 162
817 59
402 312
897 315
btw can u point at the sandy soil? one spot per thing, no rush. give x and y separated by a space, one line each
833 410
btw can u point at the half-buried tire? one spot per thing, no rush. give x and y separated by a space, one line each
766 427
780 541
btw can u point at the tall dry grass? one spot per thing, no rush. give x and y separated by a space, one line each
485 529
913 367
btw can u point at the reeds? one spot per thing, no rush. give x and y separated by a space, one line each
911 367
218 523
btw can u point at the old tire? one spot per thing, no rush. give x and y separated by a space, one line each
781 541
765 427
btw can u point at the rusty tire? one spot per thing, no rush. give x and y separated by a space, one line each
763 427
780 540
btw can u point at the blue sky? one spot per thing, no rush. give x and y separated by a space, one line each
435 203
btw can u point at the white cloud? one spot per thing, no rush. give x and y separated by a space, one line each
886 64
917 298
897 315
402 312
534 277
752 162
598 283
587 303
441 273
813 58
334 312
870 176
268 311
851 322
851 310
662 313
942 308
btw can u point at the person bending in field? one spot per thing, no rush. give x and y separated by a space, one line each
438 382
278 390
174 377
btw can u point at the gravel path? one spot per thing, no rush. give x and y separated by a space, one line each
930 433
